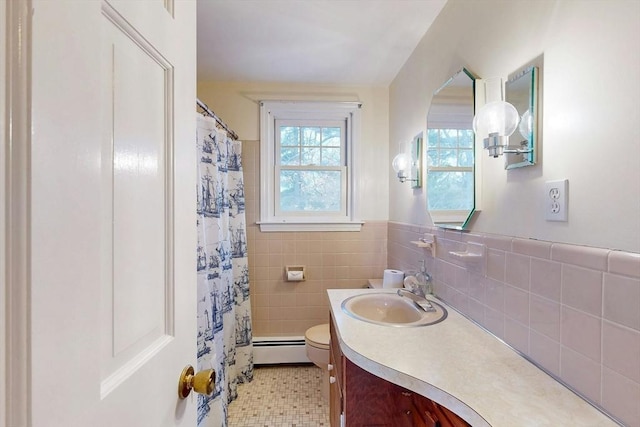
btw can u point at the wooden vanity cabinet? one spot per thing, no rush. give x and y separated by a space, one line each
364 399
336 380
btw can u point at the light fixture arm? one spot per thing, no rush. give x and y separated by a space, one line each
510 149
516 151
403 178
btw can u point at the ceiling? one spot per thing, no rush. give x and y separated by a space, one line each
343 42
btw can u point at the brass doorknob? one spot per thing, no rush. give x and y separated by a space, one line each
201 383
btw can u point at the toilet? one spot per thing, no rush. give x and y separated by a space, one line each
316 341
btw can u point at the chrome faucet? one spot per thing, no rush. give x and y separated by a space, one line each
420 301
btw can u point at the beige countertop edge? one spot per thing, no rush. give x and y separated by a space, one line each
437 361
416 385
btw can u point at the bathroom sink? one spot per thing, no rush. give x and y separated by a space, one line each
390 309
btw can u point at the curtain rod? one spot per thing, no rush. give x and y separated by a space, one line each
209 112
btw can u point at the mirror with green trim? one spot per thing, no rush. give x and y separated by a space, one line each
521 91
450 152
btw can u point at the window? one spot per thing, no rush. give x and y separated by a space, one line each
307 166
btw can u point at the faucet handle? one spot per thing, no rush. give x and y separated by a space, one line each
413 285
419 300
411 282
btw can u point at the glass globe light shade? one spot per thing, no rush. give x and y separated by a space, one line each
526 125
401 162
497 117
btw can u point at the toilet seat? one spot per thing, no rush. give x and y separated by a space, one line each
318 336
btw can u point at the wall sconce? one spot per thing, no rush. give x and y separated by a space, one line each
407 167
400 164
497 121
494 123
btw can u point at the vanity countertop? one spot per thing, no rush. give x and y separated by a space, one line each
462 367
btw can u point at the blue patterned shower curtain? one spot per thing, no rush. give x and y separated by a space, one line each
224 310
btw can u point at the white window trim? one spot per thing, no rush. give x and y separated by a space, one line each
270 111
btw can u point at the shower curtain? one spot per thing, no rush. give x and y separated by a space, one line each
224 311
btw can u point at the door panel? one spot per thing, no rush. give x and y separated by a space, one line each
137 246
113 237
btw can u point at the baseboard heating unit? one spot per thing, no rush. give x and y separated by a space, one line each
279 350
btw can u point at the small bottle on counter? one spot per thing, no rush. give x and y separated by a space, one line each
424 279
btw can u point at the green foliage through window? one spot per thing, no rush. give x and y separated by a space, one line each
311 167
450 147
303 146
450 182
317 191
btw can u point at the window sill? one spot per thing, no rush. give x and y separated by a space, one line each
267 227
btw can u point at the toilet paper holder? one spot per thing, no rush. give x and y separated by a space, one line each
295 273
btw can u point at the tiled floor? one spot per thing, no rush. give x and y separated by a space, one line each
281 396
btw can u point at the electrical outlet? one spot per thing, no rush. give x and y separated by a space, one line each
555 200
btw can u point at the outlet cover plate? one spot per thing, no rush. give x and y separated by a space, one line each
556 200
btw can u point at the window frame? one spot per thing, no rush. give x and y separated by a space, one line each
273 112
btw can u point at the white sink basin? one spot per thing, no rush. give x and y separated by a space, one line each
390 309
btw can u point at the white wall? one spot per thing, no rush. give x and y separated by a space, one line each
590 108
238 105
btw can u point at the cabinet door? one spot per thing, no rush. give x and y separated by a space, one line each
336 371
366 400
335 393
407 413
371 401
435 414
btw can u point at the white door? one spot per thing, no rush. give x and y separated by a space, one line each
112 311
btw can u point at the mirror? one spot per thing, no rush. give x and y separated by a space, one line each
450 152
416 156
521 91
